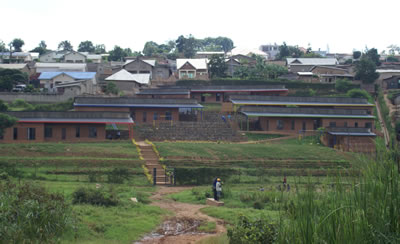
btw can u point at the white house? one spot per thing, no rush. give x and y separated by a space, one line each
128 82
81 82
74 57
195 68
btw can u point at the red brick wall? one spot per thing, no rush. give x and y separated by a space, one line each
350 122
287 124
56 132
361 144
150 114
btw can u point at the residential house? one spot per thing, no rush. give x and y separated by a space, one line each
78 82
15 57
329 74
52 56
272 50
192 68
157 70
305 64
128 82
385 74
359 140
307 77
244 60
23 67
392 82
71 126
232 66
74 57
143 110
70 57
59 67
248 52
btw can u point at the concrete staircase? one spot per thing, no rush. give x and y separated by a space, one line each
152 162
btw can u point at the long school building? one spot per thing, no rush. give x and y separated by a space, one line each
70 126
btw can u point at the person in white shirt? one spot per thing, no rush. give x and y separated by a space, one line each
218 188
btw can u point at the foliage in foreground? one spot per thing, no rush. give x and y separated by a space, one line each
29 214
364 211
247 231
95 197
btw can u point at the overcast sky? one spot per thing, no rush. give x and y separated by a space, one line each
344 25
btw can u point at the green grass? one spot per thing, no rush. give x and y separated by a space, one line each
220 239
211 107
309 151
259 137
208 227
230 215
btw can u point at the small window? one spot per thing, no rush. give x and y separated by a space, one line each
203 98
168 115
279 124
217 97
267 125
31 133
155 116
15 133
63 133
133 115
144 117
345 124
48 132
92 132
77 132
368 125
293 124
356 124
304 125
332 124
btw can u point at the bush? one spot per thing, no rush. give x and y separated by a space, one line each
343 85
247 231
118 175
201 176
95 197
29 214
358 93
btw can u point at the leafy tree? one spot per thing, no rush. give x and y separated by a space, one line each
6 121
217 66
225 42
356 54
311 55
188 46
286 51
373 55
393 49
3 106
86 46
283 51
150 48
358 93
343 85
65 46
11 77
261 70
41 48
3 47
111 88
100 49
392 59
17 43
366 70
117 54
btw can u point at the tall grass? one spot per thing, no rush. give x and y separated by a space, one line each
365 210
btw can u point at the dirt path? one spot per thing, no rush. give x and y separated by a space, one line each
181 211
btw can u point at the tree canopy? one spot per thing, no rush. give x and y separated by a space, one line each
261 70
41 48
118 54
366 70
217 66
286 51
356 54
86 46
65 46
373 55
100 49
17 44
11 77
6 121
3 47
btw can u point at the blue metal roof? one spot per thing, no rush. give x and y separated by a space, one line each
75 75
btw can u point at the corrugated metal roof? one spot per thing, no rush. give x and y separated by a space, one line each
148 61
228 88
72 117
135 102
75 75
388 70
61 65
198 63
164 91
350 131
288 100
124 75
15 54
305 73
312 61
305 112
12 66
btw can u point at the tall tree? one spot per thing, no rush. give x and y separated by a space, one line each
100 49
373 55
366 70
3 47
86 46
117 54
17 44
225 43
150 48
41 48
6 121
187 45
11 77
65 46
217 66
356 54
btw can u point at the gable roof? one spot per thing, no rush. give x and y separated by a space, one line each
328 67
147 61
124 75
312 61
74 52
74 75
198 63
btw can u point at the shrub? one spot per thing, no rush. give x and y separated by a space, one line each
258 205
358 93
201 176
343 85
93 176
29 214
247 231
94 197
118 175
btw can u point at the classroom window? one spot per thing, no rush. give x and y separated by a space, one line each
168 115
217 97
48 132
15 133
267 125
63 133
332 124
304 125
31 134
77 132
345 124
133 115
293 124
92 132
144 116
279 124
356 124
368 125
155 116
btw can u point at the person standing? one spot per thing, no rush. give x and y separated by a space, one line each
218 188
214 188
